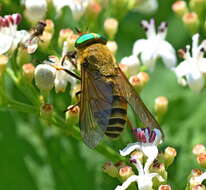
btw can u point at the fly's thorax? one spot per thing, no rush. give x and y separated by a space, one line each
98 58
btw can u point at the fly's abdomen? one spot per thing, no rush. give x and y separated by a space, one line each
118 117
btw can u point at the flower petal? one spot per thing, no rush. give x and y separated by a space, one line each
140 46
148 59
202 65
148 7
145 181
201 178
35 10
150 150
182 69
132 64
196 81
129 148
167 53
126 183
6 43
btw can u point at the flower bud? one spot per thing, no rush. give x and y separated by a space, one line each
111 27
71 41
169 155
45 40
201 159
75 93
161 105
44 77
110 169
49 26
197 6
3 63
35 10
144 78
180 8
198 149
139 80
28 72
158 168
191 21
198 187
147 7
112 46
46 111
120 165
72 114
64 34
23 56
196 172
93 10
125 172
135 82
164 187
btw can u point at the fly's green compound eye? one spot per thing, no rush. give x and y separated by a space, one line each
89 39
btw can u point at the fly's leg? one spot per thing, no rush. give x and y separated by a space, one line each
70 108
77 94
68 72
71 55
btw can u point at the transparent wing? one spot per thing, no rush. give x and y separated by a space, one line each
125 89
95 106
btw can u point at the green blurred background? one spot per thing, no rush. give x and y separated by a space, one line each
34 156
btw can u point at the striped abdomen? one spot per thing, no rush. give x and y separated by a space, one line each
118 117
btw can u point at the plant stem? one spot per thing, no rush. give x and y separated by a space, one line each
106 151
28 90
19 106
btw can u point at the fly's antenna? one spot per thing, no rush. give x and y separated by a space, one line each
80 33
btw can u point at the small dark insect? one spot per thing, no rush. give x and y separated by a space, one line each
39 29
105 92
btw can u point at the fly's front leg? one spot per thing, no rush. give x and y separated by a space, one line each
71 55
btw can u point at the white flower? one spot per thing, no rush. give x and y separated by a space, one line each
35 10
130 65
9 36
148 141
198 179
155 46
44 77
147 6
191 70
77 7
62 78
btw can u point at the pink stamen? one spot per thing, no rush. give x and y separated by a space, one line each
152 137
5 22
143 137
9 19
17 18
133 161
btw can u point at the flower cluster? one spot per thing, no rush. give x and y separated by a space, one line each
146 159
147 51
191 71
192 15
11 38
51 73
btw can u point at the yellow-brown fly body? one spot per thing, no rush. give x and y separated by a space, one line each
105 92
